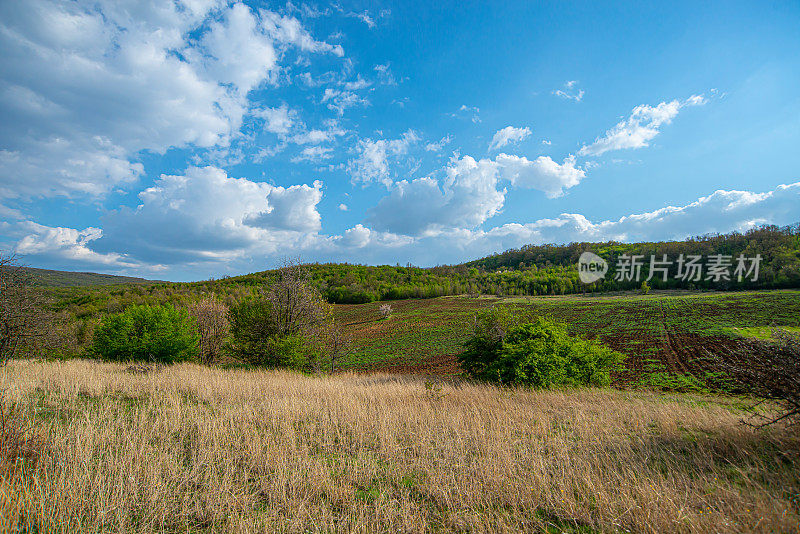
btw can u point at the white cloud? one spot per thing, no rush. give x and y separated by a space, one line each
317 136
438 146
570 91
343 207
385 75
720 212
288 30
67 244
365 18
372 163
362 239
507 135
542 173
313 153
277 120
207 215
357 84
469 194
248 247
474 111
640 127
97 82
340 101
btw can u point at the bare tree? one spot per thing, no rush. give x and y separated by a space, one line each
213 326
338 344
297 306
21 308
385 310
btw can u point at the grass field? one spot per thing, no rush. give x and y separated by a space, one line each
669 330
194 449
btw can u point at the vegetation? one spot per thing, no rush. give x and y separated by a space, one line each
213 327
25 323
50 278
260 449
160 334
662 335
288 325
769 370
189 448
539 354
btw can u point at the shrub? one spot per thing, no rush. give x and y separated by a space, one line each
538 354
257 339
385 311
160 334
252 328
288 325
213 326
27 327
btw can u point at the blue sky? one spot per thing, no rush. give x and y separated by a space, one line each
188 140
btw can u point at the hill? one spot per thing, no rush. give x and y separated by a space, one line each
50 278
552 270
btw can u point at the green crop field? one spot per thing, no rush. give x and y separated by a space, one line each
668 330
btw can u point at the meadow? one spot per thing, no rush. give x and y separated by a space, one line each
188 448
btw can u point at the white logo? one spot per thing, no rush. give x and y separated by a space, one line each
591 267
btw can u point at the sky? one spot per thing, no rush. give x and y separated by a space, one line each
194 139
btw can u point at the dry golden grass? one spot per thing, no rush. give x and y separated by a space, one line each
188 448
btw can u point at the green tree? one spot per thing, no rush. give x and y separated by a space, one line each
161 334
538 354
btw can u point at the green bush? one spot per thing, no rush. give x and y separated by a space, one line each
538 354
252 328
255 339
160 334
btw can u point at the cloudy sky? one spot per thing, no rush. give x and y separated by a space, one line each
189 139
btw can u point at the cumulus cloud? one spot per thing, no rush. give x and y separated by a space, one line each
277 120
255 236
720 212
541 173
205 215
508 135
570 91
470 193
372 163
640 127
68 244
95 83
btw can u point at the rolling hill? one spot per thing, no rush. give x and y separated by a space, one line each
50 278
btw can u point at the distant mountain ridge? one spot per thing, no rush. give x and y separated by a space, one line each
51 278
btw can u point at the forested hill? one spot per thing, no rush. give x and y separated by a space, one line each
51 278
552 270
